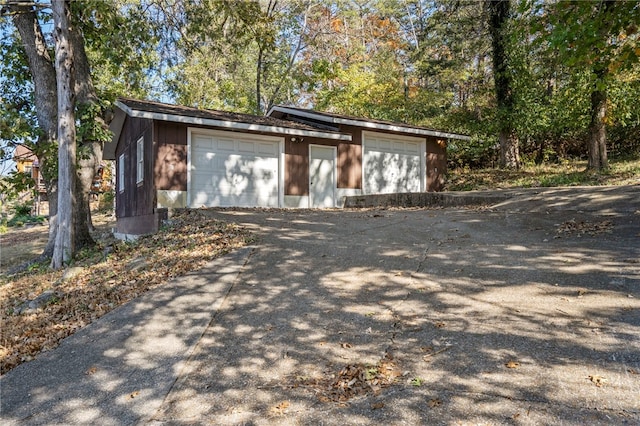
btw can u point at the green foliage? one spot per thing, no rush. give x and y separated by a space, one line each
106 201
120 41
16 184
23 209
425 62
90 126
23 219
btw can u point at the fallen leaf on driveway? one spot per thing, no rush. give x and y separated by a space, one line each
512 364
435 402
346 345
91 371
280 408
377 405
597 380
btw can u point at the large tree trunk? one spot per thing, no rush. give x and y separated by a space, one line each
45 97
509 147
65 242
90 150
45 94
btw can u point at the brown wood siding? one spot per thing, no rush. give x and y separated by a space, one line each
137 199
296 168
349 164
436 164
170 133
350 159
170 165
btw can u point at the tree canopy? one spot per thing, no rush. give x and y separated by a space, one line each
553 79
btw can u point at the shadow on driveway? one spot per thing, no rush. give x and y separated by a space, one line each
524 313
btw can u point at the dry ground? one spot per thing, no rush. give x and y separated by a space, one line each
100 279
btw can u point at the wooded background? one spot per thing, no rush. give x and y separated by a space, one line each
423 62
529 80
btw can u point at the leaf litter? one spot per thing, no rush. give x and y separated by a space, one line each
352 381
582 227
111 275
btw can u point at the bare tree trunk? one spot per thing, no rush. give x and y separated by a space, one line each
509 146
597 145
65 243
43 75
597 142
259 81
90 150
45 93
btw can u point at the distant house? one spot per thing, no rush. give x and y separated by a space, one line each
175 156
27 163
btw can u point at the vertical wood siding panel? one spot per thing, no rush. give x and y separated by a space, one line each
296 168
170 160
436 164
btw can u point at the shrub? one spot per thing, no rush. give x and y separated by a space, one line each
23 209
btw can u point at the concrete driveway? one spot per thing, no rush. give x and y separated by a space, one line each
527 312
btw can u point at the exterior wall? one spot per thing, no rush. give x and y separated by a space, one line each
140 225
436 164
165 182
170 164
137 199
296 169
349 165
350 159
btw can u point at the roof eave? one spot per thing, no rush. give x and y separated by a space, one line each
368 124
232 125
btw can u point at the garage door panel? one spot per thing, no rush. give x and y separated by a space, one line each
268 149
235 172
224 145
246 147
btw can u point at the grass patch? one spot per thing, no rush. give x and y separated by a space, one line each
569 173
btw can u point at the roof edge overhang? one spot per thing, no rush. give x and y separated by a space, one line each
123 110
109 151
313 115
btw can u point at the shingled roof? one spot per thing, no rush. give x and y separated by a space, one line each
185 111
206 117
331 121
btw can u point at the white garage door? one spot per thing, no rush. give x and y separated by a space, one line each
392 163
234 170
